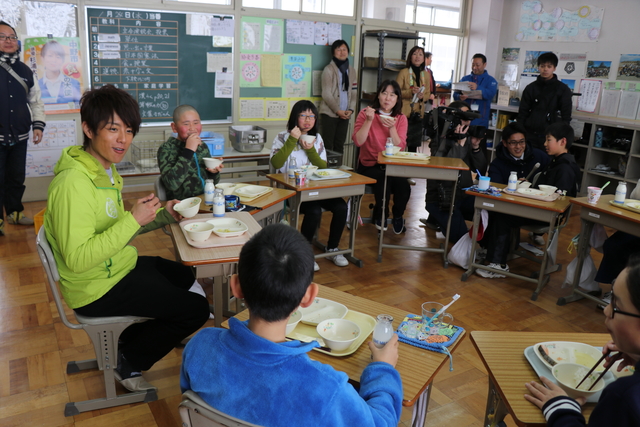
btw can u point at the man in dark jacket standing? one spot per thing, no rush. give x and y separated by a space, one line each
515 154
542 100
20 109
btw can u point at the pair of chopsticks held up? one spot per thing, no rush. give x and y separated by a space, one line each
614 358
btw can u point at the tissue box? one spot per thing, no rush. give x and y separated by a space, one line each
215 142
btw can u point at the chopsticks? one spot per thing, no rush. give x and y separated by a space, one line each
614 358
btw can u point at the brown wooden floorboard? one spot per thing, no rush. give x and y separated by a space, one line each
35 346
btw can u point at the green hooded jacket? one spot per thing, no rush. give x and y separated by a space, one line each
88 228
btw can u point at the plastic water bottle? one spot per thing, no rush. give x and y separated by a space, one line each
388 147
621 192
218 203
383 330
598 141
209 187
293 165
513 181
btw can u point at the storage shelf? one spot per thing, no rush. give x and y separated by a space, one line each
580 145
609 150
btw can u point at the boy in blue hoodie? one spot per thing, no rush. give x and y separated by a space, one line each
251 372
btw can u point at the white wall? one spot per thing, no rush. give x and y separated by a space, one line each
484 34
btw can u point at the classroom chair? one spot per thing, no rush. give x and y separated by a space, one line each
104 333
161 192
195 412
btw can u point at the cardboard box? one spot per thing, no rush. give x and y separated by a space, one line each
504 94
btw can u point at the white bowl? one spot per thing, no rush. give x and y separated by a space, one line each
227 187
524 184
188 207
569 375
549 189
307 138
212 163
293 321
338 334
322 309
387 119
198 231
228 227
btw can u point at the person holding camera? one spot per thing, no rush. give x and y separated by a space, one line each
460 141
415 84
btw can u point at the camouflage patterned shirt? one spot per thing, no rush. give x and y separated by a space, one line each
183 171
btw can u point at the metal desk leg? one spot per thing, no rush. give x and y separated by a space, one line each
218 300
446 236
295 209
543 277
474 237
583 249
496 409
353 220
383 218
419 417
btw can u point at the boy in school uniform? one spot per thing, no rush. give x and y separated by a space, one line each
542 99
619 404
251 372
562 172
180 159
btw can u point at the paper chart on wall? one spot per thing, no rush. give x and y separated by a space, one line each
277 109
300 32
558 24
590 90
251 109
224 85
628 107
271 72
296 76
317 83
42 158
572 64
321 36
219 62
249 70
251 36
273 36
334 32
609 103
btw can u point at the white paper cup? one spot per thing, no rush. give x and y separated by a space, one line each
593 194
483 183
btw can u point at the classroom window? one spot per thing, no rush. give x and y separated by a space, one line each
220 2
331 7
444 49
439 13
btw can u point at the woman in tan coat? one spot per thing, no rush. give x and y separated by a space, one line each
415 84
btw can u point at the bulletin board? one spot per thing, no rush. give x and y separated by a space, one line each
280 63
152 55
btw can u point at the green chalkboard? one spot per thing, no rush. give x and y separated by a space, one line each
149 54
320 57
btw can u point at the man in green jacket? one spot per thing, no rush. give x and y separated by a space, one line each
180 159
89 232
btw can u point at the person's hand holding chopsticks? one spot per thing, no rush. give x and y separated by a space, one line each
609 349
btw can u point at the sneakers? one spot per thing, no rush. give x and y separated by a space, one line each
18 218
1 227
431 225
398 225
536 238
135 382
339 259
607 299
378 223
490 274
316 267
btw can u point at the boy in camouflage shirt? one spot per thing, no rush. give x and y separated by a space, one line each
180 159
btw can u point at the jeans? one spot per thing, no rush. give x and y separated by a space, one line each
313 212
12 173
156 288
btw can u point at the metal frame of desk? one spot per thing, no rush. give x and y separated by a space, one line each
522 207
601 213
352 187
440 168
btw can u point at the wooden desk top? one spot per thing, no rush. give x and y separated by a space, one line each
603 205
559 205
354 179
433 162
203 256
418 367
502 353
276 196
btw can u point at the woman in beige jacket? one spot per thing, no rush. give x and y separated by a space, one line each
339 94
414 82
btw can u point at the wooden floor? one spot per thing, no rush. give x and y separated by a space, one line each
35 345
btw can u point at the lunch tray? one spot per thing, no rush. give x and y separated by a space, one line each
214 241
549 198
364 321
248 198
625 206
541 369
314 177
397 156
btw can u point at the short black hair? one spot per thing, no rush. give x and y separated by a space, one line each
511 129
548 58
413 49
336 44
397 109
98 106
633 279
299 108
560 130
427 55
8 25
459 104
275 269
481 56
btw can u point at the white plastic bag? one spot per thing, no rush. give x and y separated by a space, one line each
552 251
459 253
587 277
598 236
